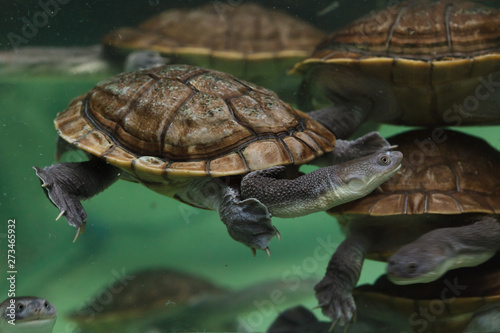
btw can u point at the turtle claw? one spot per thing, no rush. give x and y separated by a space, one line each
278 235
268 252
334 323
338 306
60 214
254 251
58 190
79 231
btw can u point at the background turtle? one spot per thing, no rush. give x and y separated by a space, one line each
254 43
192 134
415 63
462 300
444 192
32 315
167 300
448 304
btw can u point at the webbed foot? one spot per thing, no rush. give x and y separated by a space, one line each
60 193
346 150
66 184
335 303
248 221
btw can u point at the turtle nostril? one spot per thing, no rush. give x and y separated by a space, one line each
412 267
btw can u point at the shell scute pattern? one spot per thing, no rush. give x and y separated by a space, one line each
184 121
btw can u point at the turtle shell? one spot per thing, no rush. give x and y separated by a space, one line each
148 293
434 59
245 40
181 121
442 172
452 300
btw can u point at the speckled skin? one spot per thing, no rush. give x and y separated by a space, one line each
321 189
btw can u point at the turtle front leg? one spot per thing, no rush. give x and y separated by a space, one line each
248 221
66 184
334 291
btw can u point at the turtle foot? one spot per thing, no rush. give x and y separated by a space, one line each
334 303
249 222
58 189
371 143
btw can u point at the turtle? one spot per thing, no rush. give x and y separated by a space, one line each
462 300
415 63
164 299
456 302
438 213
206 139
27 314
252 42
149 295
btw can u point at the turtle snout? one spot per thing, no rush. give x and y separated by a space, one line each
406 269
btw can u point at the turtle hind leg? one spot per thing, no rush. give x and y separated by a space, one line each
66 184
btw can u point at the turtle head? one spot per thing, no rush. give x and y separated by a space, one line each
417 264
30 314
361 176
430 257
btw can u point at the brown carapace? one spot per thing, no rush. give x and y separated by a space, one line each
420 63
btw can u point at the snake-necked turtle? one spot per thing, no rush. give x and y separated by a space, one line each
415 63
27 314
254 43
146 297
462 300
196 135
167 300
446 193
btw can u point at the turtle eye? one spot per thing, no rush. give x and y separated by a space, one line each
46 305
20 307
384 160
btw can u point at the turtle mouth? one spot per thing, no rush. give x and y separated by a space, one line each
38 320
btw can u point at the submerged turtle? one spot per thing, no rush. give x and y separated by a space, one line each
446 193
415 63
194 135
27 314
456 302
167 300
462 300
147 297
254 43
